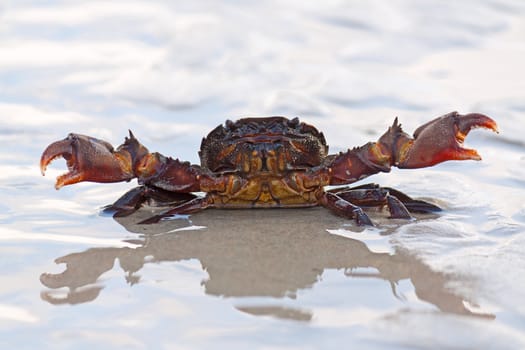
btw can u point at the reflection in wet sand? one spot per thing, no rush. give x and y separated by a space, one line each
252 253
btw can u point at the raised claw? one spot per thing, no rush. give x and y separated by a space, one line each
436 141
90 159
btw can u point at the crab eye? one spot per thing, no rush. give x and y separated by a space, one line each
229 124
293 122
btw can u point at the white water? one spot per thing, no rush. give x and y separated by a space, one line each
171 72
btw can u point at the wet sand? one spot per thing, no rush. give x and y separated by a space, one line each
260 253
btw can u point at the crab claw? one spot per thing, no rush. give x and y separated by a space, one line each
437 141
88 159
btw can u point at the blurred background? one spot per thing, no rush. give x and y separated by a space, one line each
173 70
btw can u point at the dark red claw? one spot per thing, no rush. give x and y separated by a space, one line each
441 139
88 159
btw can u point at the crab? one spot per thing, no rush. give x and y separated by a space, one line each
270 162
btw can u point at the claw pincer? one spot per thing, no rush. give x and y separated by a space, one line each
55 150
88 159
66 149
440 140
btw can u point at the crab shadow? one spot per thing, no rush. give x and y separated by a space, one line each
252 253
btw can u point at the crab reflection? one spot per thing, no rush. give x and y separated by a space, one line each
256 255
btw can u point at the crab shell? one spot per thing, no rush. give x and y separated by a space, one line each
259 146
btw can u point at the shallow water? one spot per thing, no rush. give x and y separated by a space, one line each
73 278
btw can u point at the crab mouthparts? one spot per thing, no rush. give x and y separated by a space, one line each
467 123
60 149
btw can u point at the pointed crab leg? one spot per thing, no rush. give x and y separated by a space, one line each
345 209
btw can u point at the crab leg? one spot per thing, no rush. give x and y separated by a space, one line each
372 195
132 200
91 159
377 197
344 208
189 207
434 142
